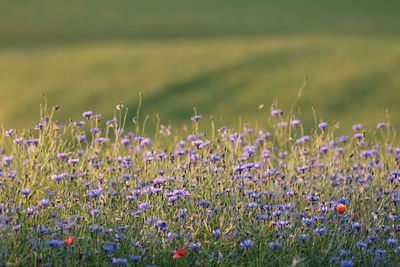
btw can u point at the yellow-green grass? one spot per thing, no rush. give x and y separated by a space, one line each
350 79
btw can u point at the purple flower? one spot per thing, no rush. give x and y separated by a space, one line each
162 224
62 155
95 192
203 203
9 132
320 231
44 202
135 213
73 161
323 125
7 159
381 125
194 246
145 206
361 245
296 123
392 241
357 127
275 245
25 192
125 141
109 248
346 263
95 212
380 252
276 112
277 213
196 118
87 114
81 138
246 244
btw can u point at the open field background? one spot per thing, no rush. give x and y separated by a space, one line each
226 58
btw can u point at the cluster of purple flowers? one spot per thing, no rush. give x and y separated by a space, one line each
237 194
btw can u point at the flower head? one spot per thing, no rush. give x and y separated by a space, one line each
180 252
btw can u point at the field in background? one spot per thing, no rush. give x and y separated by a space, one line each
225 58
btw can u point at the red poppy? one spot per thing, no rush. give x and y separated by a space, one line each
179 253
341 208
69 241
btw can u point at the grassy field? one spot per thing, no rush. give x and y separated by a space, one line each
225 58
286 197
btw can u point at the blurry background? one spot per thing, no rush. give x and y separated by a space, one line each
224 57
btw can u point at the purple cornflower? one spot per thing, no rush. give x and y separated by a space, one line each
196 118
95 192
79 124
57 177
145 206
203 203
9 132
162 224
81 138
381 125
73 161
87 114
380 252
392 241
252 205
7 159
246 244
296 123
356 226
100 140
277 213
346 263
95 212
320 231
125 141
361 245
323 125
275 245
25 192
145 142
197 143
276 112
62 155
44 202
136 213
357 127
194 246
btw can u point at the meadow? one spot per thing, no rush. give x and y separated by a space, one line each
270 194
199 169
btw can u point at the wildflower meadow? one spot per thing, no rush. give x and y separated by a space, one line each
88 192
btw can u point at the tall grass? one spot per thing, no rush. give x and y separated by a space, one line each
255 195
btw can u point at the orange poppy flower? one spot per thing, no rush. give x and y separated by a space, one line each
69 241
179 253
341 208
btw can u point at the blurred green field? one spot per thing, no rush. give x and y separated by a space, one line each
224 57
